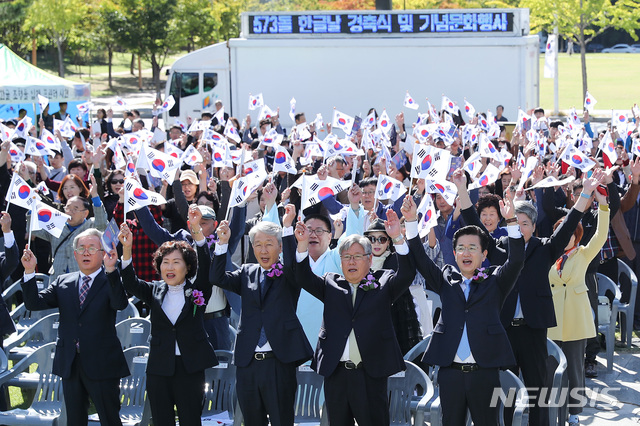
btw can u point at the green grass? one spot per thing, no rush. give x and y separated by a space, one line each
611 78
97 73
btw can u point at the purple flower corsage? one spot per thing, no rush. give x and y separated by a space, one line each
369 283
197 298
276 270
479 275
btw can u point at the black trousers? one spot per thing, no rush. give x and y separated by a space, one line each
530 349
354 395
460 391
184 390
593 344
105 395
267 388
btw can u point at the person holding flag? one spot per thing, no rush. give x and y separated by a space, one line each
78 209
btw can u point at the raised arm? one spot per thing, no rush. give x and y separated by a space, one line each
218 276
34 300
431 273
508 273
117 296
127 275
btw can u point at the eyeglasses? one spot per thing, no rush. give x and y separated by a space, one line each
368 192
73 209
318 231
356 257
91 250
470 249
116 181
381 240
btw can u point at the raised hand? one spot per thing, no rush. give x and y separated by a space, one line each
223 232
355 195
601 198
289 215
302 235
195 215
409 208
459 179
29 261
269 193
507 208
125 236
110 259
590 184
392 224
634 166
93 187
5 222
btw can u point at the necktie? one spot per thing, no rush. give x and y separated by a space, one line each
263 335
464 350
354 352
84 289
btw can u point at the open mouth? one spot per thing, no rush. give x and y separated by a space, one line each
467 262
171 276
264 260
353 270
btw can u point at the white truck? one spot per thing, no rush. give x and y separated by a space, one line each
355 60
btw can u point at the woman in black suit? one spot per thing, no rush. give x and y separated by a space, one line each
179 349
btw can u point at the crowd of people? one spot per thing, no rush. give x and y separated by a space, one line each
334 253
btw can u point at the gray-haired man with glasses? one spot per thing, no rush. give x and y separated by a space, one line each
357 348
88 355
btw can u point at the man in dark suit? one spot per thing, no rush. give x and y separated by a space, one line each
528 310
357 348
88 355
271 342
469 343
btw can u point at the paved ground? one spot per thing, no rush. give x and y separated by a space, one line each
622 384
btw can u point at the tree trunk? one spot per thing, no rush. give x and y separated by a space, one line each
583 53
155 69
60 57
132 66
110 60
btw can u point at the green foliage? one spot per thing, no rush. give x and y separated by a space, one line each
12 14
194 24
582 20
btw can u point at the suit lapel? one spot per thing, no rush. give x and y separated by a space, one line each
343 284
255 278
161 292
359 296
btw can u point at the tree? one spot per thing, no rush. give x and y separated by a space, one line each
582 20
147 30
108 26
194 23
57 19
12 14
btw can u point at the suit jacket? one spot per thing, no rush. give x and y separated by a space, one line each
8 262
92 326
195 349
533 285
481 311
369 317
276 311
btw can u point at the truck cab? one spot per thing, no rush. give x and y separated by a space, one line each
197 81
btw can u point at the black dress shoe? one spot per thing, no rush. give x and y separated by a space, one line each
590 370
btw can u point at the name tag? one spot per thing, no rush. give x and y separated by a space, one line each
305 368
56 325
399 375
222 365
136 330
140 360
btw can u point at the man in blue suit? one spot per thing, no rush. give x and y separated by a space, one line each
88 355
469 343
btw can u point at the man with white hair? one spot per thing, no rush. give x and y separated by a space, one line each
271 342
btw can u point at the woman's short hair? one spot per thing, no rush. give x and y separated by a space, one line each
84 192
188 255
489 200
266 228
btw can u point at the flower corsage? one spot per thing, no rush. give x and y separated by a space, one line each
197 298
369 283
276 270
479 275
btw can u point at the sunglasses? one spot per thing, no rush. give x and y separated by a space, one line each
116 181
381 240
